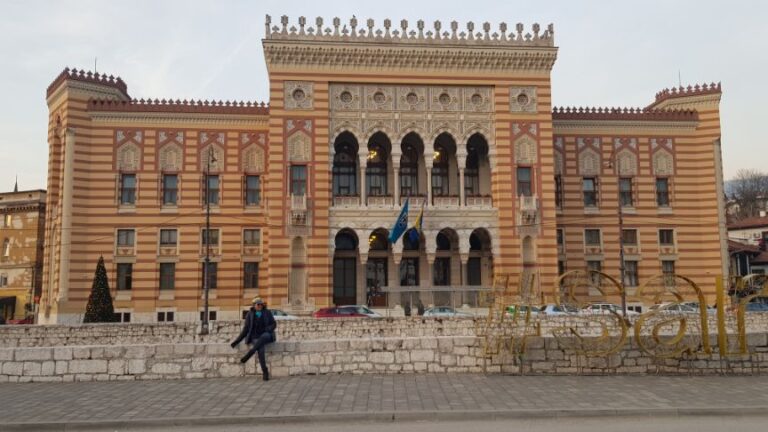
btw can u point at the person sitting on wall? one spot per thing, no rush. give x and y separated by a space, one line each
258 331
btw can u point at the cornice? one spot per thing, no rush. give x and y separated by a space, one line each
623 124
351 56
192 118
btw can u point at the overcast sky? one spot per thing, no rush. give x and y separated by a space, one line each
612 53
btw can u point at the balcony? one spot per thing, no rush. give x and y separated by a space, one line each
380 201
528 210
479 201
414 200
346 201
445 201
298 209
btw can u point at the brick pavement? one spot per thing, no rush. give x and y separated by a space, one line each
310 398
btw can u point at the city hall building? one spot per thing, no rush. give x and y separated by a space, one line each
364 118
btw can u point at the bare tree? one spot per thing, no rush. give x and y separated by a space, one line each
750 192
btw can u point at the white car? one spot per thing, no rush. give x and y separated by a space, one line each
445 311
673 308
363 310
556 310
282 316
606 309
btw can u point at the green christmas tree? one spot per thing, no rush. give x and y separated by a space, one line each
100 308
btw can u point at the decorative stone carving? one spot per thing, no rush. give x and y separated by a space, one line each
299 95
525 150
217 163
299 147
559 163
128 157
627 163
663 163
379 98
170 157
589 163
346 97
412 98
523 99
444 99
253 159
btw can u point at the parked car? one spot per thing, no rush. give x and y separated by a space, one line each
346 312
27 320
445 311
561 309
756 307
695 305
522 310
676 308
606 309
282 316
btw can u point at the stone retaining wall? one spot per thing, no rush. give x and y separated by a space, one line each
398 345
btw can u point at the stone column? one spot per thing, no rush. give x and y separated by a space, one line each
362 280
363 160
396 198
429 182
461 158
66 214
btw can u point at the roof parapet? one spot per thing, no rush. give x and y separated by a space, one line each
368 33
180 106
89 77
632 114
695 90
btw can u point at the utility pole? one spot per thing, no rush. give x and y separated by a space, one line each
613 163
204 328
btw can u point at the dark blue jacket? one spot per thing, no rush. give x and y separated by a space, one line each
256 326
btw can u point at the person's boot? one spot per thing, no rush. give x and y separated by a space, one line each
265 374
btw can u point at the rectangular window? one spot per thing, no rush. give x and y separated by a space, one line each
126 237
625 192
128 189
409 180
560 267
252 237
589 188
212 275
629 237
595 266
167 276
252 190
170 189
559 191
662 192
524 181
168 237
592 237
123 317
6 247
442 271
560 237
212 190
124 276
7 221
163 316
3 280
666 237
298 179
668 269
212 315
471 182
409 272
630 273
250 275
214 237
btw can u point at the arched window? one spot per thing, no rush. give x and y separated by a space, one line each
6 248
345 242
409 171
440 171
344 171
408 244
378 241
376 172
443 242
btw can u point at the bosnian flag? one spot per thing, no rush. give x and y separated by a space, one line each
415 232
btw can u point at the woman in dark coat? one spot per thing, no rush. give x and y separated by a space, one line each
258 331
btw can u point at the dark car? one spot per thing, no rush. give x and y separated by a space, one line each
345 312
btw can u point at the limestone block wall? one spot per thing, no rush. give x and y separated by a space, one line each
111 352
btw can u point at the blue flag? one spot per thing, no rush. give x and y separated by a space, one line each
400 225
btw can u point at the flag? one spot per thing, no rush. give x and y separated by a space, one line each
400 224
417 226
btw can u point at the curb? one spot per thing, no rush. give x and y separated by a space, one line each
387 417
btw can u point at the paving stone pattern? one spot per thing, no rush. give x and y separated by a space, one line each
339 395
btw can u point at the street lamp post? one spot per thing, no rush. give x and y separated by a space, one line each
204 328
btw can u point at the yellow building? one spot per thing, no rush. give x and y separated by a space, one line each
361 120
22 224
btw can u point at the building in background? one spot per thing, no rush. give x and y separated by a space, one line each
22 225
360 121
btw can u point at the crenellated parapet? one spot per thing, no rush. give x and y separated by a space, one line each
179 106
362 46
632 114
355 30
87 77
694 90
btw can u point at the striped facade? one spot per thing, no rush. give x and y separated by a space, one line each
451 99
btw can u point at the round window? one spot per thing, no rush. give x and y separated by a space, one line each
379 97
522 99
411 98
298 95
444 99
346 97
476 99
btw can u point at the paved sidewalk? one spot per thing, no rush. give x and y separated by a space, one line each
72 406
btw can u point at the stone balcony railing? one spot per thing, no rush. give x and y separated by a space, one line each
479 201
298 209
415 200
445 201
346 201
380 201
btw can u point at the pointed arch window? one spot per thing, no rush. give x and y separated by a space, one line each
344 172
440 171
376 172
409 171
